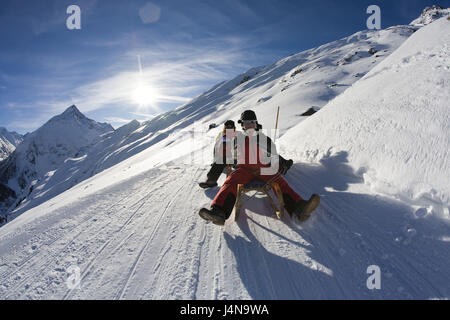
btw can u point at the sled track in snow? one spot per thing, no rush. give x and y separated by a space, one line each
149 239
138 221
87 270
50 258
143 200
22 264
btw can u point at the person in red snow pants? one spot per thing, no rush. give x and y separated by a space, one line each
251 148
227 194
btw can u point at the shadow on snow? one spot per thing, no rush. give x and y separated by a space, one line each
346 234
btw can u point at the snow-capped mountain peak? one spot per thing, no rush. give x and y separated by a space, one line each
64 136
430 14
74 115
72 112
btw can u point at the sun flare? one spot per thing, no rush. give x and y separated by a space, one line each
144 95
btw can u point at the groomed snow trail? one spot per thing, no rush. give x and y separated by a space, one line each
143 239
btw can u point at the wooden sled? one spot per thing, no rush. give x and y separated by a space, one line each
228 169
261 187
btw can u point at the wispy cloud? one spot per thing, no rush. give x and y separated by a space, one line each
143 116
177 72
101 74
117 120
29 124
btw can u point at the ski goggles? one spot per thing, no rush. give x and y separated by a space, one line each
247 122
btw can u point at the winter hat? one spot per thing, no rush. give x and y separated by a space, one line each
247 115
229 124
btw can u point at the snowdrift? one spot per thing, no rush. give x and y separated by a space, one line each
394 123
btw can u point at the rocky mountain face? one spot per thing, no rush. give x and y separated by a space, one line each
64 136
430 14
8 142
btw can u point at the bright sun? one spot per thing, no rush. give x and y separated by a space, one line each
144 95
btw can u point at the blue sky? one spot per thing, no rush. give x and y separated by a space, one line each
134 59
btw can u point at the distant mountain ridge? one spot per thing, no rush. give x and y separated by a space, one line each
430 14
309 79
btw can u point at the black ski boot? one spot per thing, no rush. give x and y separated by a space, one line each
289 164
304 208
215 214
285 165
208 184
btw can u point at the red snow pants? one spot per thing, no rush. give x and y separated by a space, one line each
243 175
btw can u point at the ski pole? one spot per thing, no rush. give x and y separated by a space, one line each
276 125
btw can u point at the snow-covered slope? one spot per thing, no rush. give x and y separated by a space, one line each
394 123
133 232
69 134
8 142
306 80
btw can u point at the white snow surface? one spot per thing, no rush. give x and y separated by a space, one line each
134 232
393 124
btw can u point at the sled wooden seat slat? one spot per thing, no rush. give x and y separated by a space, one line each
263 188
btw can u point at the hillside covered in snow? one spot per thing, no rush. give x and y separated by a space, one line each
394 123
375 151
298 83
